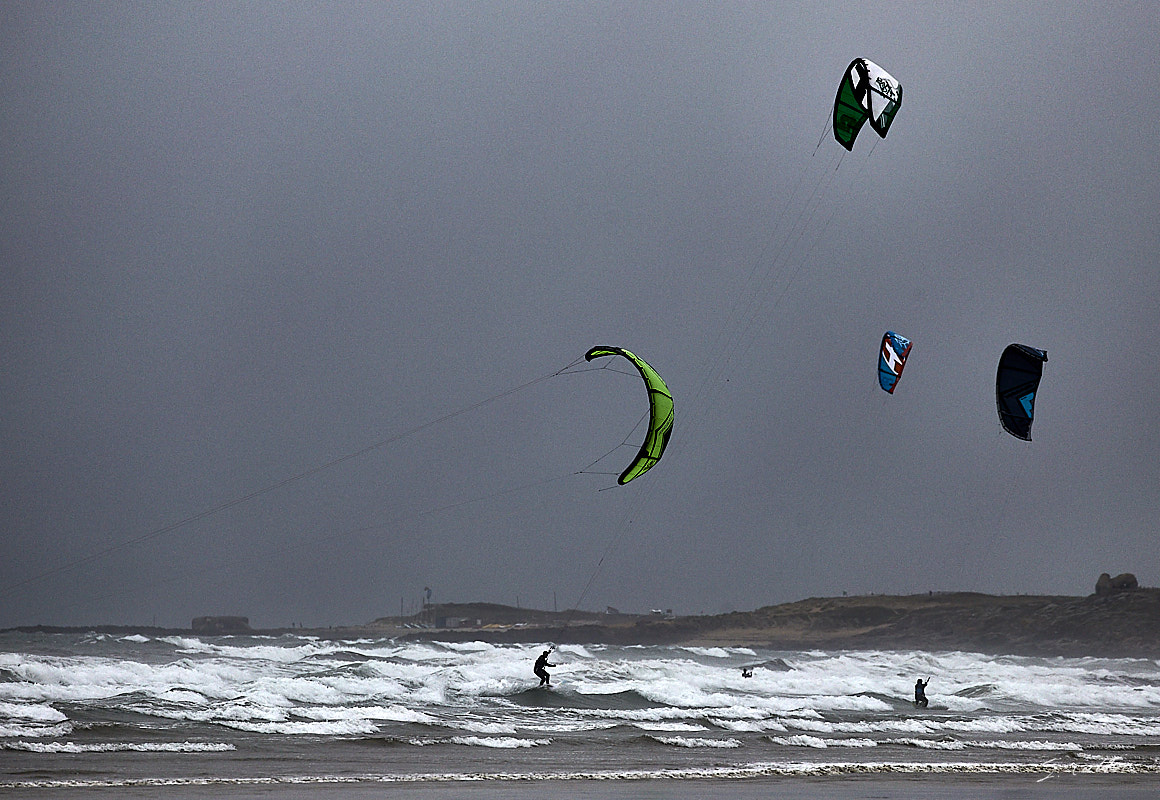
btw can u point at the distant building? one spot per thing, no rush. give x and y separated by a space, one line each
457 622
221 626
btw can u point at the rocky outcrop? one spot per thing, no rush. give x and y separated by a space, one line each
1124 582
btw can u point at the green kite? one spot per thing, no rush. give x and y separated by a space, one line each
660 426
867 92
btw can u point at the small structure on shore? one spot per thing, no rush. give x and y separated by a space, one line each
221 626
458 622
1124 582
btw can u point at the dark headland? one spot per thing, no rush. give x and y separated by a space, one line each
1115 624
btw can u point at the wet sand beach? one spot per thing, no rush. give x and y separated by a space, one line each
985 787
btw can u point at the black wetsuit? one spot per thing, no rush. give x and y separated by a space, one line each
920 693
542 673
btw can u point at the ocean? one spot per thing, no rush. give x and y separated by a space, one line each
299 716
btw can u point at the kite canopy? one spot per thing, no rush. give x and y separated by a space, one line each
867 92
1020 368
660 425
891 359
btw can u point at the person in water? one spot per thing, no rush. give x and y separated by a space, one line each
920 700
542 673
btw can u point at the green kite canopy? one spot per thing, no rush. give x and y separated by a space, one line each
660 400
867 92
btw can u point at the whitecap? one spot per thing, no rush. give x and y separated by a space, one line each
687 741
31 711
709 652
13 730
1036 745
803 740
392 713
116 747
574 651
931 744
502 742
539 725
330 728
468 647
674 727
747 726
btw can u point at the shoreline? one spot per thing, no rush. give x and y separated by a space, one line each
907 781
1123 625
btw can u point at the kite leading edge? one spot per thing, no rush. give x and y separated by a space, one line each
660 426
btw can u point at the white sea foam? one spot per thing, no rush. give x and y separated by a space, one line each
913 725
747 726
469 647
16 729
636 714
298 686
479 726
541 725
37 712
574 651
711 652
393 713
258 652
117 747
503 742
990 744
687 741
802 740
348 727
675 727
1097 724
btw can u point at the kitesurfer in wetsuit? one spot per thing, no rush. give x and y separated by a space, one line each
920 700
542 673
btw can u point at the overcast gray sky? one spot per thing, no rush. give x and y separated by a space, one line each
242 241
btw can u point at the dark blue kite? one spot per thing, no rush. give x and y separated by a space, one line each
1016 381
